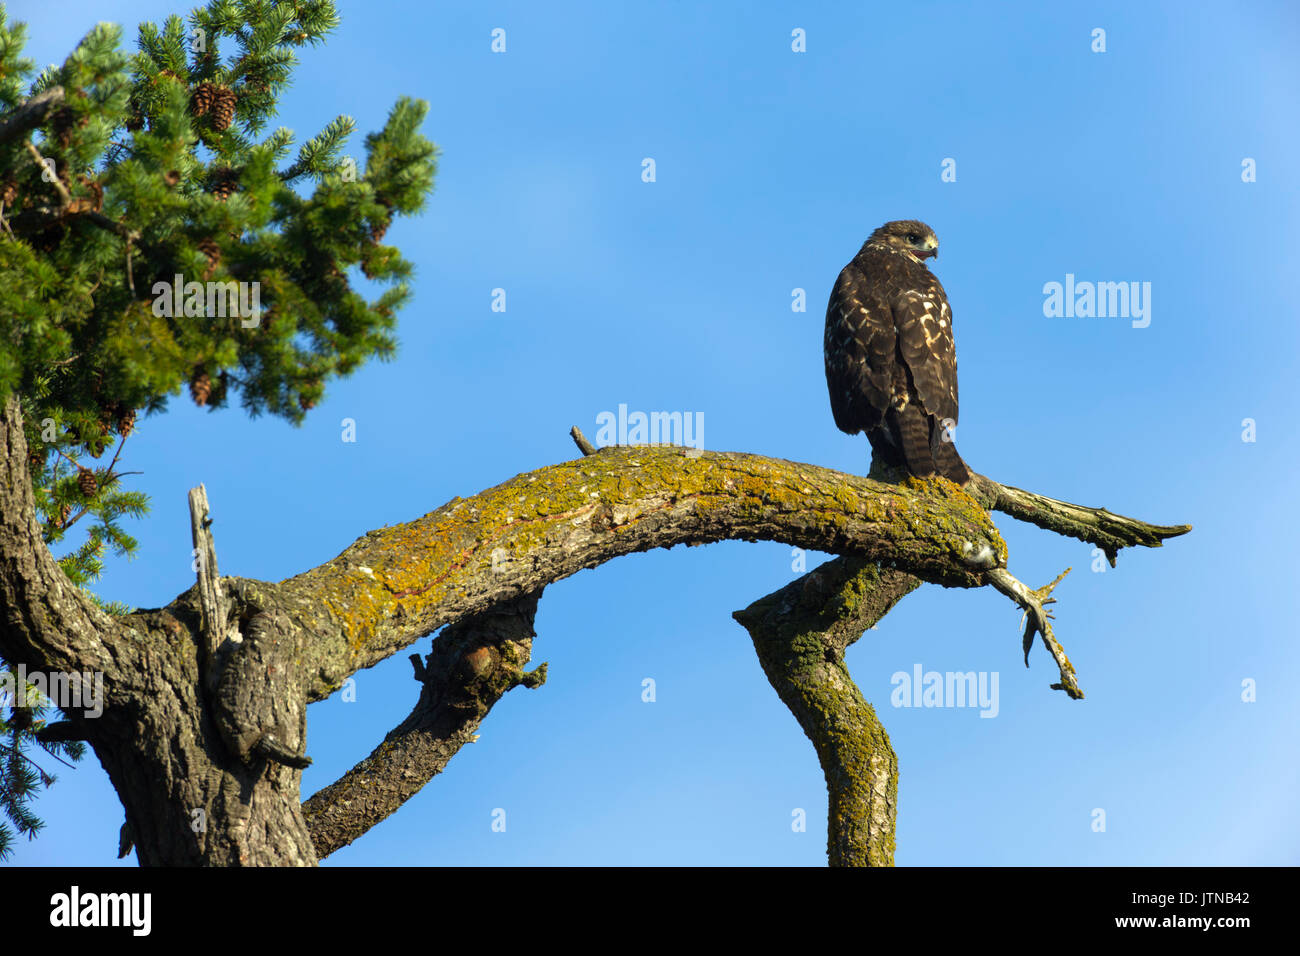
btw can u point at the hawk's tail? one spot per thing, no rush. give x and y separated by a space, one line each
922 457
949 464
913 434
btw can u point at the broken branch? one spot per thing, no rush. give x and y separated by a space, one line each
1106 530
1038 620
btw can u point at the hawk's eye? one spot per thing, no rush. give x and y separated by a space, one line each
913 237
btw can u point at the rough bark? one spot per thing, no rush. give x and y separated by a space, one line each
1106 530
472 665
399 583
187 799
189 735
802 631
800 634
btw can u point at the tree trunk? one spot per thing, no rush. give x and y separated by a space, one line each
203 722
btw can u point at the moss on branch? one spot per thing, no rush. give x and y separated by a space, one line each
398 583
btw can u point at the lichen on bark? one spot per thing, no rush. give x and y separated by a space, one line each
466 564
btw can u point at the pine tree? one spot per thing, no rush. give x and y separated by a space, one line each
119 173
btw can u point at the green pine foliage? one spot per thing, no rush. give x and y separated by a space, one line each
20 775
159 164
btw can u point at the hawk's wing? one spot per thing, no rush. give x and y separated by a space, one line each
860 352
926 346
891 363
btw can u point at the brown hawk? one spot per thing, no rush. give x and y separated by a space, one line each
891 366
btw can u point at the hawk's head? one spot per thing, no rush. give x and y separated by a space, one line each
908 236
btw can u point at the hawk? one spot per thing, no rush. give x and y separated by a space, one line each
891 366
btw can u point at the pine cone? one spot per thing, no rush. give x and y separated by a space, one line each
9 191
87 482
210 249
200 388
223 108
125 421
205 94
64 511
224 183
378 231
134 116
172 178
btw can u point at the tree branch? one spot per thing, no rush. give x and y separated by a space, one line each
31 114
399 583
1038 620
473 663
476 560
39 218
55 181
800 634
211 594
1108 531
47 620
801 631
579 439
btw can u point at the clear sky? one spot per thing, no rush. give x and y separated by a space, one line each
771 167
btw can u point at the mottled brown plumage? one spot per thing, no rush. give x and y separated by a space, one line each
891 364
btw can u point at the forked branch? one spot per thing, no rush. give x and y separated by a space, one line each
1038 620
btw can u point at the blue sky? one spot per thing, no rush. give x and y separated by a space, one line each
771 168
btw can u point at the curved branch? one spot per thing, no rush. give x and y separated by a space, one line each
30 114
801 633
397 584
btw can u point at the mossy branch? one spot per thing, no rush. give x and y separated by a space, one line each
801 631
399 583
473 555
473 561
1108 531
800 634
